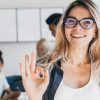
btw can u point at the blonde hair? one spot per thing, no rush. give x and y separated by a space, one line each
61 48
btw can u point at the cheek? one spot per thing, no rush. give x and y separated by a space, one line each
68 32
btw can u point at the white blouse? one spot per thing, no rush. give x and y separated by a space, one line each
90 91
3 83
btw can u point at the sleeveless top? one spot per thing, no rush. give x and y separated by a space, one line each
90 91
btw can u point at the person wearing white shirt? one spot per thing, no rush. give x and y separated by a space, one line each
3 83
4 86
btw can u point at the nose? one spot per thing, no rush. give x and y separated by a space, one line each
78 26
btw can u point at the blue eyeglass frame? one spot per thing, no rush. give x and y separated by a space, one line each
77 21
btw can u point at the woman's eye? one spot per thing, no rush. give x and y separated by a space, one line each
70 21
87 22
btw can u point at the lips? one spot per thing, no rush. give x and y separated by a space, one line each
78 35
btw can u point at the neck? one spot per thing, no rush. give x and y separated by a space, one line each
78 56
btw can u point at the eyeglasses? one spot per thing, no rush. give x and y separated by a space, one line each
85 23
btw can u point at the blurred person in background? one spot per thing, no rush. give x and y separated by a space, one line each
43 48
52 21
4 86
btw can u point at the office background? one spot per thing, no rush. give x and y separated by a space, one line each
22 24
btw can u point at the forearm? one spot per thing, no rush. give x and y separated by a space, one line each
5 97
10 95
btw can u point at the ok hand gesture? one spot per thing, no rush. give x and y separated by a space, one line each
35 79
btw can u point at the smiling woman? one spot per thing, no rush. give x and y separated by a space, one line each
74 64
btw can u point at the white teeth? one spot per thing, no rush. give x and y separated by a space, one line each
78 35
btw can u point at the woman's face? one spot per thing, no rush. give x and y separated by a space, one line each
52 28
78 36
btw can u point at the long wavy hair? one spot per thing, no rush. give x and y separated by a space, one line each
61 48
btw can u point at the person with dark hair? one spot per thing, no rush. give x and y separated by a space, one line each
72 70
52 22
4 86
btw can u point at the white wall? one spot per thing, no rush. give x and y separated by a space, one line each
33 3
36 3
13 54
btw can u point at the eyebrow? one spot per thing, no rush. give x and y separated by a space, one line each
80 19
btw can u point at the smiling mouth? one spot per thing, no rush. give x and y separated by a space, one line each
78 35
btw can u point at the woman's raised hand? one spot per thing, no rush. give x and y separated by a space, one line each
35 79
